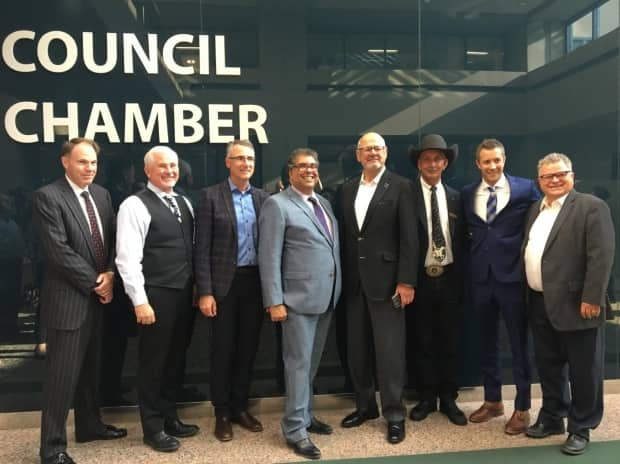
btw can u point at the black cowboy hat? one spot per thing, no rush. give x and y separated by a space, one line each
434 142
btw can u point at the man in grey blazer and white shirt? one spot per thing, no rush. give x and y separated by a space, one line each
568 253
299 261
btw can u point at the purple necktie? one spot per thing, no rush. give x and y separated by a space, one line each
94 232
319 215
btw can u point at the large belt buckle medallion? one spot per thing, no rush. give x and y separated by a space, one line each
434 271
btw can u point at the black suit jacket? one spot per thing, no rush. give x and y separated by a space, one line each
385 251
215 252
456 226
68 252
576 260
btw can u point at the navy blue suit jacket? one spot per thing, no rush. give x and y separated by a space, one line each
495 248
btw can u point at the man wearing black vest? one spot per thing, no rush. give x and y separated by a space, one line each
154 257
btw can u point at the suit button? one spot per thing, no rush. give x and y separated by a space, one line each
362 257
331 274
359 239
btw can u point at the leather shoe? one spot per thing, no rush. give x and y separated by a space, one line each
306 448
109 432
518 423
357 418
487 411
178 429
163 442
248 422
318 427
574 444
452 411
396 432
542 429
421 410
223 429
60 458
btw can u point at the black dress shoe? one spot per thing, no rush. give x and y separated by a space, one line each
421 410
357 418
306 448
109 432
542 429
60 458
223 428
178 429
574 444
318 427
396 432
247 421
450 409
163 442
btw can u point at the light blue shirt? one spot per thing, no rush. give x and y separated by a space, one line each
247 232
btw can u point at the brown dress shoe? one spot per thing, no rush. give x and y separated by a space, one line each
223 429
487 411
248 422
518 423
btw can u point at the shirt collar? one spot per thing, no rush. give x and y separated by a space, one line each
76 189
428 186
159 192
375 181
559 201
303 195
500 184
233 187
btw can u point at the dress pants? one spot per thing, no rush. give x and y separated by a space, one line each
303 340
438 323
72 374
160 348
376 343
234 340
492 298
562 356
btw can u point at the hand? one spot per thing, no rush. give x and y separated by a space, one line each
407 294
207 305
589 311
105 287
145 314
277 313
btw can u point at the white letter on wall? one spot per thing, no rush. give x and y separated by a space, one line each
215 123
220 59
203 50
168 54
132 44
133 118
43 48
10 122
8 51
193 122
101 110
111 53
50 121
256 125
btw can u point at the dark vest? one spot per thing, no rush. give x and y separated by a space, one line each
167 257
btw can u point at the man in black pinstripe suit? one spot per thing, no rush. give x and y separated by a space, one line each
74 220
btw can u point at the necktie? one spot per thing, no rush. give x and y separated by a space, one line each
94 232
439 241
491 205
319 215
173 207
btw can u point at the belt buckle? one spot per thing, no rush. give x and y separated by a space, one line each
434 271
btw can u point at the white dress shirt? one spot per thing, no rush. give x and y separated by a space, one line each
445 225
132 226
502 191
364 195
306 199
537 239
78 193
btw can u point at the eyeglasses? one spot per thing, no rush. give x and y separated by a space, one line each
371 148
306 167
249 159
555 175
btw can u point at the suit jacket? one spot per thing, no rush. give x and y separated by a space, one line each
299 262
495 248
215 251
456 226
577 259
70 268
384 252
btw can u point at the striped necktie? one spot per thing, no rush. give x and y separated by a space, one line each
491 205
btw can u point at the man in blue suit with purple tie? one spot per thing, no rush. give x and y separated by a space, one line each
495 211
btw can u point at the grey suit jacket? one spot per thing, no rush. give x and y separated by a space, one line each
299 262
68 252
577 259
215 251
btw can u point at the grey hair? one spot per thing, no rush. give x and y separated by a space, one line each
555 158
301 152
148 158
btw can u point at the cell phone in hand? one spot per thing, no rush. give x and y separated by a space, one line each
396 303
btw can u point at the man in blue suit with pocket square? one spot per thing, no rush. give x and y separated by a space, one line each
299 261
495 211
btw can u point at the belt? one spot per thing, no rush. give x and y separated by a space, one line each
247 269
437 270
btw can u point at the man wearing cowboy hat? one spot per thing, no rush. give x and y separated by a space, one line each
434 323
